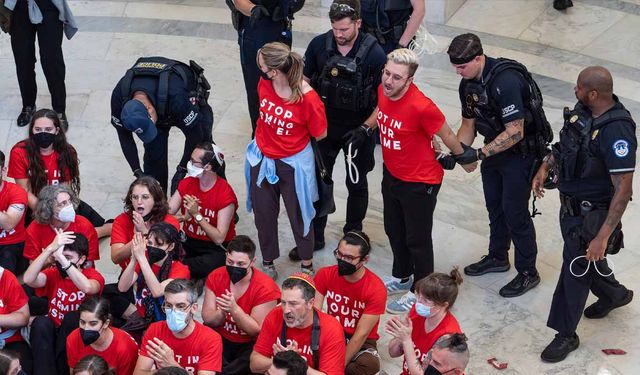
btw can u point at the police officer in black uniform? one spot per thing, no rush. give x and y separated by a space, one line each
393 22
594 163
259 22
501 101
344 66
154 95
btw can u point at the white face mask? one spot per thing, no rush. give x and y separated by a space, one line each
193 171
67 214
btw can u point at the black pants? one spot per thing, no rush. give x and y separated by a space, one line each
118 303
202 257
25 353
571 293
235 357
51 344
358 198
250 40
505 181
408 221
23 40
11 258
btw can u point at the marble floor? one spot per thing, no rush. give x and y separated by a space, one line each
555 46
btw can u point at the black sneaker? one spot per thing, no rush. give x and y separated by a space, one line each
486 265
562 4
25 116
63 121
293 254
600 309
560 347
521 284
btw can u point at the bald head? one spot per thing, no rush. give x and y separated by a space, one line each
597 78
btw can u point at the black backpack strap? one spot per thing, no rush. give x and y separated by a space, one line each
315 339
620 114
365 45
283 334
328 43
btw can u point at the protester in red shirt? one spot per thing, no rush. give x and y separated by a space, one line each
429 318
14 314
46 158
13 204
408 122
180 341
449 355
92 365
288 362
280 160
356 297
96 336
294 325
208 205
237 298
65 286
154 264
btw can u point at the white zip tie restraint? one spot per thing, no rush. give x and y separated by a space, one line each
352 169
595 265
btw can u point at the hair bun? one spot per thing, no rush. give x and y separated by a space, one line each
456 276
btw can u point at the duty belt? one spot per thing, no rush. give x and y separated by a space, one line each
577 207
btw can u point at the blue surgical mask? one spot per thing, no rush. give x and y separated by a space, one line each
67 214
177 320
423 310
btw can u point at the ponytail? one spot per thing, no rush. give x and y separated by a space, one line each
278 56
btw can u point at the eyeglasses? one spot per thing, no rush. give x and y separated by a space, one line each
343 8
182 307
348 258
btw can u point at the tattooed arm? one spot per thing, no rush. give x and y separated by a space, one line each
513 133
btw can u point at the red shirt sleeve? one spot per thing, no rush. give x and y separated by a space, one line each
73 342
268 291
317 120
211 359
31 249
93 274
432 119
332 347
228 196
321 280
17 298
18 162
378 297
271 328
179 271
172 220
121 231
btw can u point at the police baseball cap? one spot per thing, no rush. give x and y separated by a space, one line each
464 48
135 118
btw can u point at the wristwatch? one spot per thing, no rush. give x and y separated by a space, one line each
367 129
481 155
198 218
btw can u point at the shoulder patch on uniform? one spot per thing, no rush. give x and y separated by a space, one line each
621 148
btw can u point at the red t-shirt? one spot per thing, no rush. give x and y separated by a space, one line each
12 299
177 271
200 351
13 194
407 127
63 294
121 354
347 302
422 341
211 202
40 236
123 228
19 164
262 289
283 129
332 343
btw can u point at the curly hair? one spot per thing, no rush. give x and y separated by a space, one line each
67 156
47 200
160 206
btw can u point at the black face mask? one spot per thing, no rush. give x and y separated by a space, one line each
62 272
43 139
236 273
345 268
89 336
147 217
265 75
155 254
432 371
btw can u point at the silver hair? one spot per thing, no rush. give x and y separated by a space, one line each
47 200
405 56
182 286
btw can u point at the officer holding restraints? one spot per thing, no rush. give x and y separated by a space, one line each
344 67
154 95
594 161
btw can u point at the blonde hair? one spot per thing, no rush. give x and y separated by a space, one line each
278 56
405 56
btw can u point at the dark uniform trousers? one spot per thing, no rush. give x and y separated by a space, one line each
23 39
408 221
358 198
571 293
51 344
505 181
250 40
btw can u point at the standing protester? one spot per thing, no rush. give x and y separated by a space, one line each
48 19
408 122
356 297
594 163
280 160
393 22
14 314
207 204
13 204
155 95
503 103
258 23
343 66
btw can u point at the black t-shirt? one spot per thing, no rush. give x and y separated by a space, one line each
372 12
615 144
315 59
507 91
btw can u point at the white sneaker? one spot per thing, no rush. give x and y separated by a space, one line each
402 305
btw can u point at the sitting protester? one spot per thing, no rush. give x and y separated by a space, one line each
14 314
429 319
449 355
13 204
180 341
96 337
237 298
10 363
65 286
154 264
288 362
92 365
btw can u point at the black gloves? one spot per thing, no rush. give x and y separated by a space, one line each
468 156
257 12
177 177
447 161
358 136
